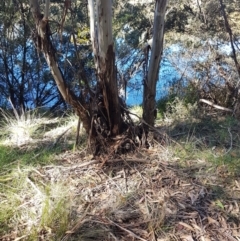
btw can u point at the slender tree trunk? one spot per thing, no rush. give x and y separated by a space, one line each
104 54
229 31
150 82
43 42
23 81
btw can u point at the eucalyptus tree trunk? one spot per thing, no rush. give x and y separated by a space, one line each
100 13
44 44
99 108
150 81
231 37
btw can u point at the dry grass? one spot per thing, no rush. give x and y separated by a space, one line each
170 192
143 197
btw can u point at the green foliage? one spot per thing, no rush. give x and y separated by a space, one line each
38 156
177 20
7 209
130 22
7 155
179 97
83 36
175 109
213 141
22 191
27 195
42 197
163 103
190 94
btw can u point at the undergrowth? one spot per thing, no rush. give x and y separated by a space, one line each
213 139
46 193
29 199
41 207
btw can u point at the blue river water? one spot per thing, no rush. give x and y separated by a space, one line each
167 76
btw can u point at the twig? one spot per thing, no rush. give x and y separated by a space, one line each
223 232
88 163
46 13
231 142
125 180
14 109
34 186
215 106
77 225
179 134
19 238
128 160
78 130
143 121
126 230
152 127
9 237
75 166
59 138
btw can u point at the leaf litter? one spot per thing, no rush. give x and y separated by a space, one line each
145 196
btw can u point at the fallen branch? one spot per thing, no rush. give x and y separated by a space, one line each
215 106
72 167
128 160
78 130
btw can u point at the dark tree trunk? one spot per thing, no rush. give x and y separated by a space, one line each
100 114
104 118
229 31
43 42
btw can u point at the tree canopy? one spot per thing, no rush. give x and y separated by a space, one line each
56 54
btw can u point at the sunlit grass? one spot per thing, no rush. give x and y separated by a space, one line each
35 156
7 155
36 190
42 206
20 129
137 111
39 206
56 209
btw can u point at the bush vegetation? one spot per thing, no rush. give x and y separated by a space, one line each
49 192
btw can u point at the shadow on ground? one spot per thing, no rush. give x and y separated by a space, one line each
187 189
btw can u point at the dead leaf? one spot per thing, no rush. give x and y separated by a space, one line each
212 221
186 226
187 238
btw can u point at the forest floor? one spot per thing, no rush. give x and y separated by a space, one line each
187 188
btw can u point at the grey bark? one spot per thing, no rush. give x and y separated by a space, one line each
103 48
150 81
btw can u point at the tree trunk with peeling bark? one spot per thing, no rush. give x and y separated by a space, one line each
104 117
103 48
44 44
100 115
151 77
